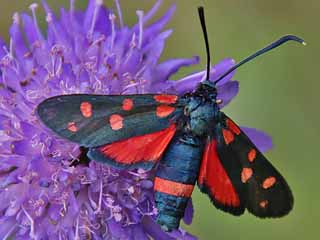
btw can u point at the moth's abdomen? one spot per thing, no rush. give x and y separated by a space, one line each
170 206
175 179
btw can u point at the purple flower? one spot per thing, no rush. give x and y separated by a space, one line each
48 188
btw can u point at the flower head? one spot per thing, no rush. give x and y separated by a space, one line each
49 189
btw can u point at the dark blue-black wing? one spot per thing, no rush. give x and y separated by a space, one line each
122 130
95 120
246 178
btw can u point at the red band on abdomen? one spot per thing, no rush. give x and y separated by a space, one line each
173 188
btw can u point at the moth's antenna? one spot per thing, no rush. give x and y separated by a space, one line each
271 46
205 35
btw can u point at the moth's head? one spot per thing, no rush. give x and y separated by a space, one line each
207 89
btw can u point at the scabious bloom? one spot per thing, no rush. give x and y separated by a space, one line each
48 187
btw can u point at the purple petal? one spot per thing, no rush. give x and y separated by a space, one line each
7 227
24 147
2 51
182 235
147 184
167 68
139 234
33 34
262 141
89 15
188 214
9 195
73 210
152 11
17 37
12 79
28 130
156 27
189 83
227 92
56 33
101 24
154 229
54 212
221 68
116 229
154 49
186 84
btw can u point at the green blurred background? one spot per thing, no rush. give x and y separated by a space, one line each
279 94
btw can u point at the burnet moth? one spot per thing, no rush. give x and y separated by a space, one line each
186 138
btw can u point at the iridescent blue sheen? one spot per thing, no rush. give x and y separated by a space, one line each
184 156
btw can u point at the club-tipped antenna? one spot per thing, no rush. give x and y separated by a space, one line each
271 46
205 35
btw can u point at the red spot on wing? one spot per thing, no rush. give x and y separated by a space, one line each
148 147
233 127
268 182
246 174
252 155
228 136
213 176
263 204
116 122
127 104
164 111
173 188
165 98
72 127
86 109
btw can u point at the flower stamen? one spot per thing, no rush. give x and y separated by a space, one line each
98 210
119 12
112 18
77 237
16 18
31 234
49 20
92 202
94 18
11 48
133 45
33 8
72 3
140 16
6 237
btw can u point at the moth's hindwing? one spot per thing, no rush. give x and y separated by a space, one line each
218 181
140 151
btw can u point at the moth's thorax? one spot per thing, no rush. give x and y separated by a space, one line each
201 110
